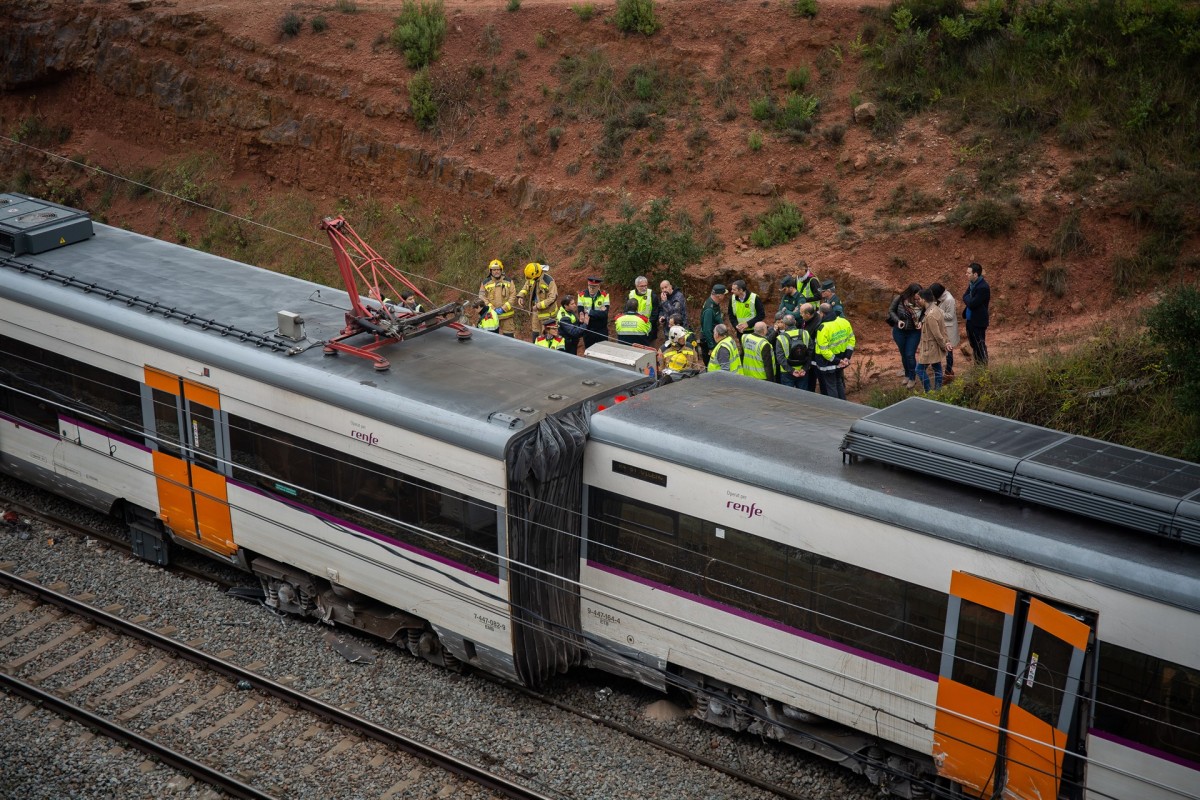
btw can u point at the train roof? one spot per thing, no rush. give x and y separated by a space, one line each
479 394
789 441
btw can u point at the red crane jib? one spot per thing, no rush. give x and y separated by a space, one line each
375 287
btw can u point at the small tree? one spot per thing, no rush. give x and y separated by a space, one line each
419 32
1175 325
637 16
641 244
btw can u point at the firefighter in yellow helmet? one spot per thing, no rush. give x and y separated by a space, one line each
500 294
540 292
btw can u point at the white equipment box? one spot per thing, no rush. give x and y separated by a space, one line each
623 355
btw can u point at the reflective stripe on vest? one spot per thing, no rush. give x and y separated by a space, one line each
678 359
743 310
735 359
752 357
589 303
632 325
568 316
645 301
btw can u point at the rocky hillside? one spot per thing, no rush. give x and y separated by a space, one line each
548 119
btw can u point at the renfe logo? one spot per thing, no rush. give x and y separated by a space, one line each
364 436
751 511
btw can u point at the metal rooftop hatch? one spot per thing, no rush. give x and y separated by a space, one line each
29 225
1132 488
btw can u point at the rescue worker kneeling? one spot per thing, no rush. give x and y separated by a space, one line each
679 355
549 337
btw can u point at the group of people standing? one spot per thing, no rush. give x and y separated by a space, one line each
808 345
924 325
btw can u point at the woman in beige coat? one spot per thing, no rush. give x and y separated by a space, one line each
949 307
934 341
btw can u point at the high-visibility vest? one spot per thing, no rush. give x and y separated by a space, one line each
632 325
735 359
678 358
743 310
590 304
752 356
568 316
645 301
490 321
834 337
556 343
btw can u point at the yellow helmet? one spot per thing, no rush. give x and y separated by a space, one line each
533 270
496 264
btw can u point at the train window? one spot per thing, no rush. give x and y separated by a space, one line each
166 422
865 609
858 607
977 646
372 497
1045 679
20 385
41 383
204 434
1149 701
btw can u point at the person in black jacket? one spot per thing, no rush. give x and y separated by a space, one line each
976 300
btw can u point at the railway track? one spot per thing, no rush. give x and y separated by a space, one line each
203 571
202 714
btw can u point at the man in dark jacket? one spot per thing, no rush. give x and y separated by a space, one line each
976 300
810 321
711 315
595 302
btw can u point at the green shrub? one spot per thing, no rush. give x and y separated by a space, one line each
986 216
584 11
290 25
319 24
554 136
646 243
35 131
797 78
781 223
762 108
637 16
1068 238
796 114
755 141
420 31
347 6
1054 279
513 5
422 99
804 8
1175 326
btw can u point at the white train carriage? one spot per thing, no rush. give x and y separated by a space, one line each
927 633
151 380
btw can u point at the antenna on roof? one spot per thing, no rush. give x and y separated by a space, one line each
375 288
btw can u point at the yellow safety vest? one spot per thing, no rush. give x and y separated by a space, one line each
632 325
590 304
556 343
490 321
735 358
743 310
645 301
752 356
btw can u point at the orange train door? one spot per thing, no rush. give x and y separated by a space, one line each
1008 691
188 455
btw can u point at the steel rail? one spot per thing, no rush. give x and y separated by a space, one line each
390 738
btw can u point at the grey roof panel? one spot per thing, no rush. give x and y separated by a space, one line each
1132 488
436 385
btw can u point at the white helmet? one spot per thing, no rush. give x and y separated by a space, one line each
677 335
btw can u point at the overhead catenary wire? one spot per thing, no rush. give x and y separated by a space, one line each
311 241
